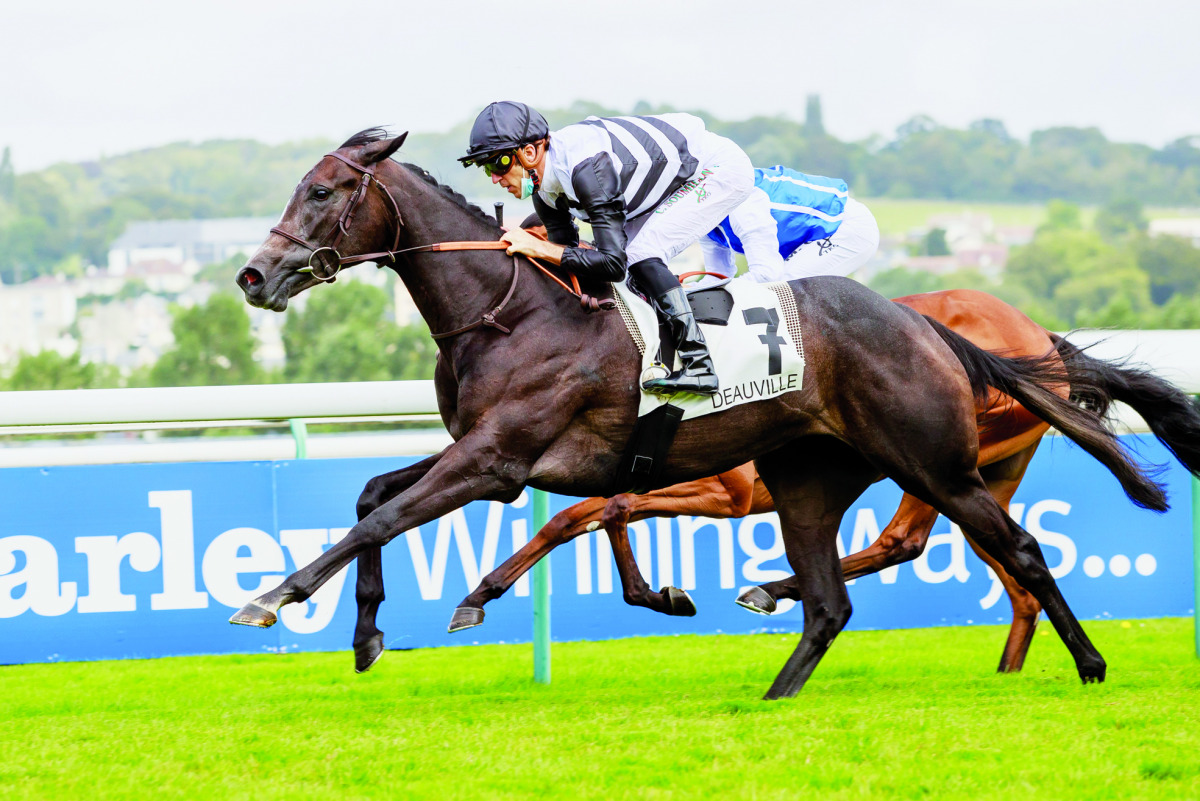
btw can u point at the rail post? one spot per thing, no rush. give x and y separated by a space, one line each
1196 560
541 595
300 435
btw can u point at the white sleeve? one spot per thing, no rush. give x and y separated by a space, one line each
753 224
717 259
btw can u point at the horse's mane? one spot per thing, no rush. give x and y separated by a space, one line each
378 134
365 137
456 197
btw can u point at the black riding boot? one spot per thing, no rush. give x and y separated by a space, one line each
697 375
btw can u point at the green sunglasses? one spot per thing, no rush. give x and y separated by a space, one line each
498 165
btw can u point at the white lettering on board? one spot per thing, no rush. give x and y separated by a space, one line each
224 562
752 570
1033 522
431 575
104 557
178 552
43 594
688 526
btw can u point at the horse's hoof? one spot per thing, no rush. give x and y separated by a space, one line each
254 615
757 600
1093 672
465 617
679 603
368 654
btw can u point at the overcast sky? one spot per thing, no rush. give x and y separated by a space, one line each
82 79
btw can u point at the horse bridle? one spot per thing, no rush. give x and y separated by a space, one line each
345 219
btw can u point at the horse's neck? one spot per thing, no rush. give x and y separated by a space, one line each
450 289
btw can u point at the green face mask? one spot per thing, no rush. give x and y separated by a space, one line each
529 184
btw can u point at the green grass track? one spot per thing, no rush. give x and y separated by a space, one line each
896 714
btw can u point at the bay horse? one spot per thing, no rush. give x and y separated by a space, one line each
536 392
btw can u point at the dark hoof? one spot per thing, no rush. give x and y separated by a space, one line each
367 654
465 617
757 600
679 603
1093 673
253 615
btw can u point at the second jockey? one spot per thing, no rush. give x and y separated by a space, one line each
649 187
792 226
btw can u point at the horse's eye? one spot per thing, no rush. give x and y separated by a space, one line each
320 193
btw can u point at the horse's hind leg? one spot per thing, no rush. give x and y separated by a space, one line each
982 519
1002 478
368 593
1026 611
902 540
811 497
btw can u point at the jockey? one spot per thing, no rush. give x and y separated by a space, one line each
649 187
794 226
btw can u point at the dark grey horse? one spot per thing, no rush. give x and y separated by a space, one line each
552 404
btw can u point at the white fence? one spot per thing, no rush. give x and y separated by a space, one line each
1175 355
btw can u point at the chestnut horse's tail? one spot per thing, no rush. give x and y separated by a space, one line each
1032 380
1173 416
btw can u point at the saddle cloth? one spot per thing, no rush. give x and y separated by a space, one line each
758 352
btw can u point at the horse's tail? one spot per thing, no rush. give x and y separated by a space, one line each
1031 381
1172 416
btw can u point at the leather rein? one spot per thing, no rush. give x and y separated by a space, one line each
346 218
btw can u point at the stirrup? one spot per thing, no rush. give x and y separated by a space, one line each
680 382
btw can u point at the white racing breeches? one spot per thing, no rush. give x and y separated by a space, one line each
722 182
849 248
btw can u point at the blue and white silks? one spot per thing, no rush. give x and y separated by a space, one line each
806 208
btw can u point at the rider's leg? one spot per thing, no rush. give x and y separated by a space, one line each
850 247
753 225
720 184
671 303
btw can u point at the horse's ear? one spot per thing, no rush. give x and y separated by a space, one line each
378 151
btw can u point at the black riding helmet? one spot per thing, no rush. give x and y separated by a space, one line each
504 125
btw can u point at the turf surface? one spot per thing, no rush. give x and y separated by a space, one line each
899 714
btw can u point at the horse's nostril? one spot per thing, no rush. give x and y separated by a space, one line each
248 278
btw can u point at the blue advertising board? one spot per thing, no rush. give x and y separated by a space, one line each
131 561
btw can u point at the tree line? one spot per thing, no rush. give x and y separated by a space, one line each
342 334
1111 274
57 219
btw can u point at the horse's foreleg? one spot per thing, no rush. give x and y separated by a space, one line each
728 494
474 468
368 591
617 515
563 527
